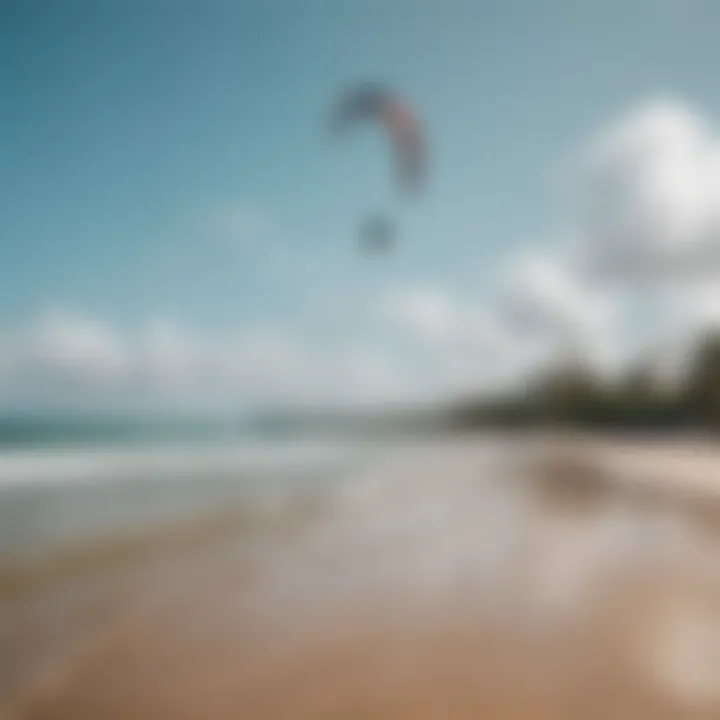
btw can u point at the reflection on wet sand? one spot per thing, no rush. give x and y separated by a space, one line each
451 581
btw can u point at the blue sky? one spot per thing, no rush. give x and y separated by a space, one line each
168 158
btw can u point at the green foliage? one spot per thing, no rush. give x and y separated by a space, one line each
702 392
572 395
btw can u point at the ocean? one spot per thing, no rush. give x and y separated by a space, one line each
64 486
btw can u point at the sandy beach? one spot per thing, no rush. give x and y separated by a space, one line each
473 577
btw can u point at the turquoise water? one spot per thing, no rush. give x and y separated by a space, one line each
40 431
29 431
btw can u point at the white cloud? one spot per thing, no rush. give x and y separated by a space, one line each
462 343
645 207
543 294
639 275
647 193
646 211
698 307
60 358
691 310
69 342
427 312
436 317
71 360
552 310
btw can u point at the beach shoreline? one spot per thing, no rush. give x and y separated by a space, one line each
381 596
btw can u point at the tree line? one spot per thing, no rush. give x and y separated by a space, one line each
571 394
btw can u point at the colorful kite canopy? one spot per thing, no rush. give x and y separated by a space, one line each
375 102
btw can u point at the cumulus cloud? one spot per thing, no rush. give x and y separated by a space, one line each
68 359
638 274
645 229
645 209
647 196
74 343
427 312
699 307
543 294
464 342
439 317
546 303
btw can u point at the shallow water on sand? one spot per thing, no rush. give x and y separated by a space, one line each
55 497
454 579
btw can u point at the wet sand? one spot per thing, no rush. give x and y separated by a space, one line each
469 578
